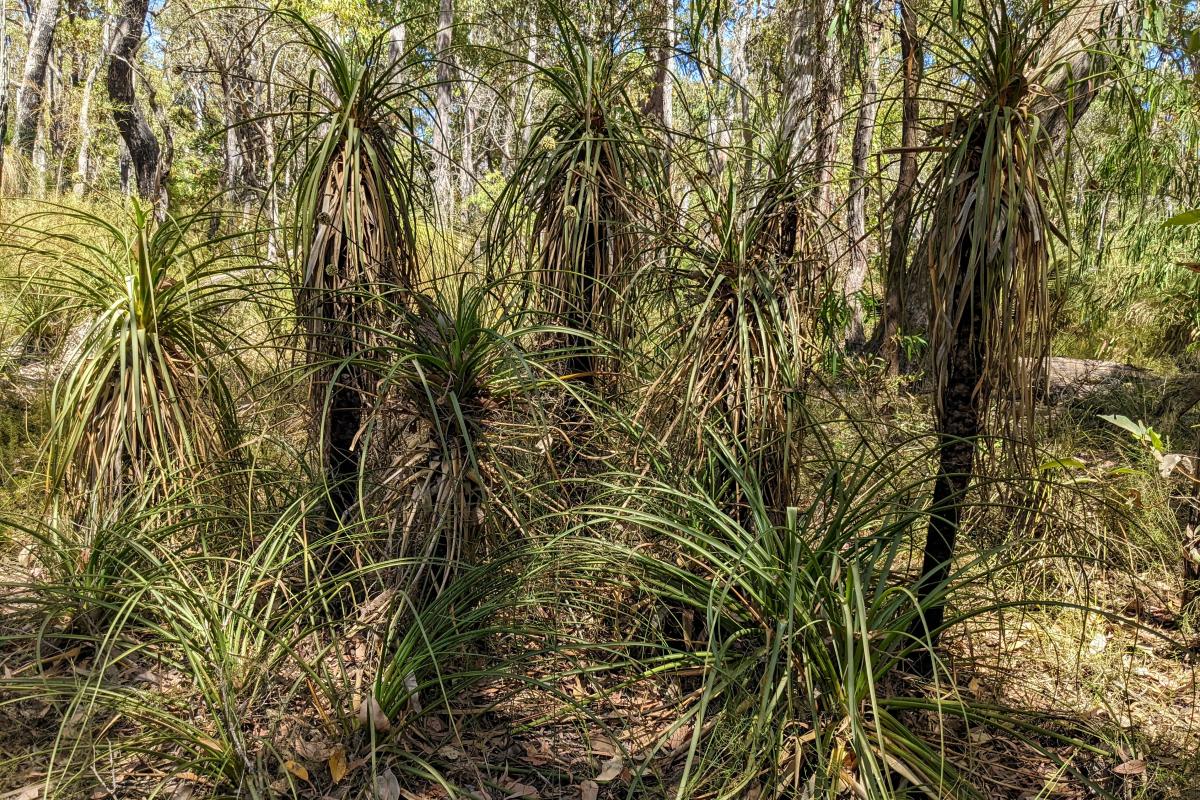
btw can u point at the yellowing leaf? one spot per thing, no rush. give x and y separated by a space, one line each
211 744
297 769
337 764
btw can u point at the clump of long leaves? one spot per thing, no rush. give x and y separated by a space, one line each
356 200
799 631
994 204
456 427
210 652
145 390
746 293
582 194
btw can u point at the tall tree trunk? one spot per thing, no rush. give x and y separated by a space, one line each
232 178
659 101
33 79
135 131
739 72
531 55
856 209
466 167
959 423
901 200
800 77
273 216
3 86
443 187
397 41
83 158
828 118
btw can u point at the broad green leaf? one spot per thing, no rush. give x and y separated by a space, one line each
1186 218
1136 428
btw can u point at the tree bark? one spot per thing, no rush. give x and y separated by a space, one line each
856 210
531 55
3 86
83 158
135 131
912 67
466 167
659 103
443 97
33 79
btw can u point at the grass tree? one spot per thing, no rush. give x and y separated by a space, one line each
143 395
748 295
354 219
580 191
457 430
988 250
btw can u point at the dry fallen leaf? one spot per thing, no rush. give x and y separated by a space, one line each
515 789
1132 767
604 745
679 737
537 756
450 752
312 751
337 764
387 787
371 713
978 736
297 769
611 769
589 790
1098 643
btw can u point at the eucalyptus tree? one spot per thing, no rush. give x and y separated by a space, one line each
901 201
83 156
856 205
139 138
33 78
444 95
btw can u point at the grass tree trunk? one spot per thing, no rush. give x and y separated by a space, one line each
1191 536
959 421
136 132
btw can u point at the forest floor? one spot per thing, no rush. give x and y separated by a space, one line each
509 739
